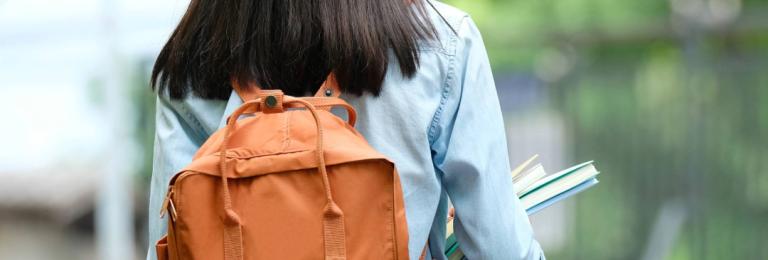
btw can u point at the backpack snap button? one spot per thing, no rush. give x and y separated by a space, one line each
271 101
328 92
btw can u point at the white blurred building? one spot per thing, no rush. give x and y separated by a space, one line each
66 162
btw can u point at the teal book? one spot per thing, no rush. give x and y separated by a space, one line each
537 191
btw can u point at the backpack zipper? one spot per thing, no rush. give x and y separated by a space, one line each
168 205
168 200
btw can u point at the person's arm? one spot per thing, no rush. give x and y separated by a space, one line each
178 135
470 152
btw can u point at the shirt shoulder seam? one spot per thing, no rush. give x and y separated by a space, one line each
189 119
448 83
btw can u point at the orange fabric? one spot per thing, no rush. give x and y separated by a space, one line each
162 248
286 184
324 103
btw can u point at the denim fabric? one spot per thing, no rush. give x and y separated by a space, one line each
443 129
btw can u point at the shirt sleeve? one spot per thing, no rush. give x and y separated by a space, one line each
178 135
470 153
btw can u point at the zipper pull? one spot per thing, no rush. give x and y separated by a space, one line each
173 210
168 205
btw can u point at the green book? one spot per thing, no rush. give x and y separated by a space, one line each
539 194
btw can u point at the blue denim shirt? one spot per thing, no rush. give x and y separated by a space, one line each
443 129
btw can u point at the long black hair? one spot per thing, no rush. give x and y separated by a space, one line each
290 45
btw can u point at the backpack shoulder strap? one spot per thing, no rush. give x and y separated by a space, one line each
246 93
330 88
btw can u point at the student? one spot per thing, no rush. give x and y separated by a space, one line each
417 73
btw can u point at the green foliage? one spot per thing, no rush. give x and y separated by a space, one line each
669 108
143 101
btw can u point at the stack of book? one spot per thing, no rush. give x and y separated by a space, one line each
536 191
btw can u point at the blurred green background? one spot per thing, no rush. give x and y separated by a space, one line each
671 100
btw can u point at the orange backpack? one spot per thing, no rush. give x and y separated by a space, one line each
293 181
